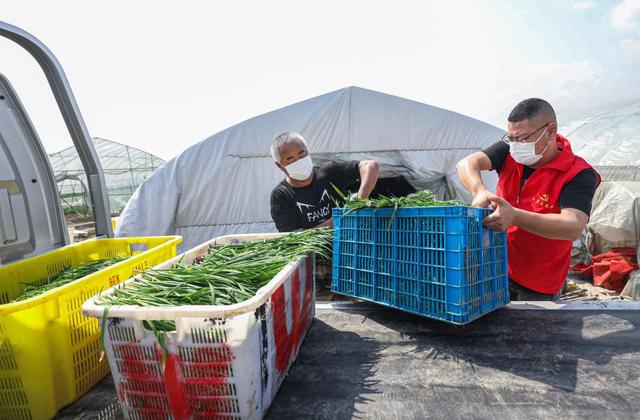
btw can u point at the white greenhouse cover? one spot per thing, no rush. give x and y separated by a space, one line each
222 185
608 137
124 168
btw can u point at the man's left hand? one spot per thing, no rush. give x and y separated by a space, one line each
503 216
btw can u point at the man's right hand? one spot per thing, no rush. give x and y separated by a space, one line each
481 198
327 223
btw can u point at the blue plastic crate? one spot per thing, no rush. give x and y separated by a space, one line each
438 262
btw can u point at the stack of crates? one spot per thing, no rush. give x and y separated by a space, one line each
438 262
49 351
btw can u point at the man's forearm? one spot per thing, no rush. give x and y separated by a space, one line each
469 173
553 226
369 171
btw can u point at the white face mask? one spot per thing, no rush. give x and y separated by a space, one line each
300 169
525 153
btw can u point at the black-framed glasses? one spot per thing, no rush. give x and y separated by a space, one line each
505 138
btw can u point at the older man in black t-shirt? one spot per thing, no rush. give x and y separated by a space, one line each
304 198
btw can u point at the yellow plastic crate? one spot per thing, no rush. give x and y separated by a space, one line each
49 351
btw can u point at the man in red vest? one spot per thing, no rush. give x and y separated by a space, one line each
543 199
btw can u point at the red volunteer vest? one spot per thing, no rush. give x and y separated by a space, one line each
538 263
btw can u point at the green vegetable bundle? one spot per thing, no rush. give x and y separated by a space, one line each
67 276
228 274
419 199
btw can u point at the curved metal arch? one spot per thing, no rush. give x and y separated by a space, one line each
73 119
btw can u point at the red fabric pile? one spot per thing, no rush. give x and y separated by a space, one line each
610 270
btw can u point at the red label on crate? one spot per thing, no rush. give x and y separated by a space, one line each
175 391
287 342
207 367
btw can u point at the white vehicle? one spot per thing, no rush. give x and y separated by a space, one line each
31 217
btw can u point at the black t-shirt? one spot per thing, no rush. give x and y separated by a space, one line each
294 208
576 194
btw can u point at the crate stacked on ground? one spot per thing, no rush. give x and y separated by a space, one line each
215 361
438 262
49 351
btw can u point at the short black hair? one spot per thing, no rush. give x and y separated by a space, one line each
531 108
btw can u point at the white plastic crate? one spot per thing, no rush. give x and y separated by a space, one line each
223 361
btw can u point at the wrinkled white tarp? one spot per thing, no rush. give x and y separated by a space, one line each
222 185
632 288
614 218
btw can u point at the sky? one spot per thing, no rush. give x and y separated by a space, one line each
162 76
